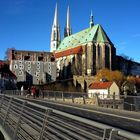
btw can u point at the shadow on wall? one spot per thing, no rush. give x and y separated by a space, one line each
1 136
71 69
29 79
64 85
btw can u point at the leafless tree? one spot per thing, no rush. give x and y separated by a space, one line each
7 53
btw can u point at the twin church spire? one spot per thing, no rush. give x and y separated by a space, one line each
55 36
67 30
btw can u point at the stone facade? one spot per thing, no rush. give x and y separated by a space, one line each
83 81
86 60
33 67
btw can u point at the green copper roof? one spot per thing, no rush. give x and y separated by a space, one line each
95 34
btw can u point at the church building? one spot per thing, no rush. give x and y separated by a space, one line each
82 53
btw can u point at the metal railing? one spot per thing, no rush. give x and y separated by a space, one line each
29 121
131 103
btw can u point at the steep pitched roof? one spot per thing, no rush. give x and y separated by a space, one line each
67 52
95 34
100 85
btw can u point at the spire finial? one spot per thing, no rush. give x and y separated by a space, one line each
67 30
68 18
56 16
91 20
91 14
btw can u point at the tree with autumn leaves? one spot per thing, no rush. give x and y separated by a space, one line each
108 75
116 76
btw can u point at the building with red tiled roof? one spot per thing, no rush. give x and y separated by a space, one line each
100 85
103 90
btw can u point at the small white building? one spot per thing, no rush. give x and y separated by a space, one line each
103 90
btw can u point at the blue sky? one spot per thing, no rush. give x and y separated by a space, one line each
26 24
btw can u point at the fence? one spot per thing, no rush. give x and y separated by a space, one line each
29 121
131 103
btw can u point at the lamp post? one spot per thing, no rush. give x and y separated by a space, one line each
125 91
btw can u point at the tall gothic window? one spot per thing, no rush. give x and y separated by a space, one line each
100 56
107 56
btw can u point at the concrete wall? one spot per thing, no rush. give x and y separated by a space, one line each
32 66
114 89
83 81
102 93
34 71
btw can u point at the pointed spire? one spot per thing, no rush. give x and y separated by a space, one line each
68 18
91 14
67 30
55 22
91 20
55 35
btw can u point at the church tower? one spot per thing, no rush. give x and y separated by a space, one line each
55 36
91 20
67 30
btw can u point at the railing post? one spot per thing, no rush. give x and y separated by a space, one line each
63 99
47 113
96 100
55 98
84 100
106 133
72 98
131 106
48 95
113 133
19 121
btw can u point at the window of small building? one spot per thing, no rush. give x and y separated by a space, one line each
52 59
20 73
29 66
15 66
26 58
40 58
13 57
29 71
38 67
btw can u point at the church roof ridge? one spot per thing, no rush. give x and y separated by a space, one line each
95 34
